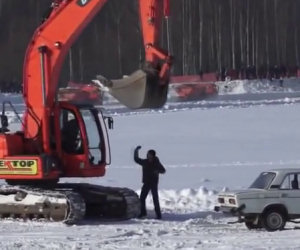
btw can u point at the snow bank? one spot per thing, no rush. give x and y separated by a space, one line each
186 200
258 86
231 87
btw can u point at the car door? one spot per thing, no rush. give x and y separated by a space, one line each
290 193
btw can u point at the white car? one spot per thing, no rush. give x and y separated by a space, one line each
271 201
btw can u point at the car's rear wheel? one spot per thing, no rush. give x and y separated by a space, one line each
274 220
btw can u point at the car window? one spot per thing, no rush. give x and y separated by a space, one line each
263 181
286 183
291 181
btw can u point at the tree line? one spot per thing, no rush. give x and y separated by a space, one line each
205 36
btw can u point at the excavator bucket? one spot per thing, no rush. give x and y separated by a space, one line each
139 90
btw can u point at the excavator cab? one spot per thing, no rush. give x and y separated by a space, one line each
84 144
79 147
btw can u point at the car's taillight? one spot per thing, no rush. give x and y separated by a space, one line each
221 200
232 201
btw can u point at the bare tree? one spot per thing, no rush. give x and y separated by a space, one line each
117 11
276 31
206 35
183 39
232 29
242 39
71 69
266 30
296 35
248 33
201 18
1 4
81 64
218 32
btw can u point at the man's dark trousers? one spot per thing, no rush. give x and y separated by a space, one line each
144 193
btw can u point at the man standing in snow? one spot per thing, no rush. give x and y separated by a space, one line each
151 170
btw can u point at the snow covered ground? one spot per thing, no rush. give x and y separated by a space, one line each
204 149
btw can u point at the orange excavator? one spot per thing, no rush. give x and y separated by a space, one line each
63 139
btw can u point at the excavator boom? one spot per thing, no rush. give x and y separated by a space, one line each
147 88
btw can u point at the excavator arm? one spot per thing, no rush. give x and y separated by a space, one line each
151 15
145 88
148 87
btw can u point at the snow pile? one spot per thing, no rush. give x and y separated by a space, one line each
185 200
231 87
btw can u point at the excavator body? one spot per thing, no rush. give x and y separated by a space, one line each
78 138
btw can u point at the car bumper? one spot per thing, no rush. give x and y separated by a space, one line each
233 210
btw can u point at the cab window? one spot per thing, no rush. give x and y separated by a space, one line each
70 133
93 136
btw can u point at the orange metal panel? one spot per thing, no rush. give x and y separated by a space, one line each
150 15
11 144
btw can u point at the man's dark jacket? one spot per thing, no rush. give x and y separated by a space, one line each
151 170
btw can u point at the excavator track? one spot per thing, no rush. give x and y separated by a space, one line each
68 203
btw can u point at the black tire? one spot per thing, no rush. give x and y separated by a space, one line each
273 220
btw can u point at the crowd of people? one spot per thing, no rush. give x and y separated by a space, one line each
10 87
261 72
249 72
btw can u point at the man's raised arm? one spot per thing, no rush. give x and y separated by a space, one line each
137 159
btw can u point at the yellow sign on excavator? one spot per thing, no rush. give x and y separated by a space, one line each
16 167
